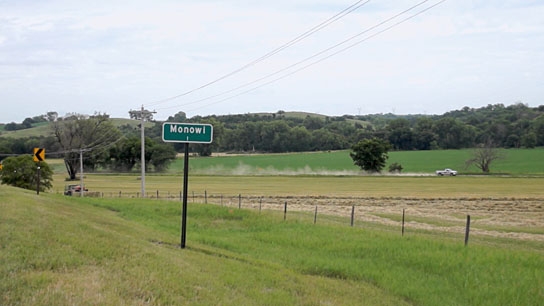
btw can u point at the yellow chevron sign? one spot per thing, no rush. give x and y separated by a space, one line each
39 154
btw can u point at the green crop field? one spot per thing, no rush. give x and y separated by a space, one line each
331 173
65 251
515 162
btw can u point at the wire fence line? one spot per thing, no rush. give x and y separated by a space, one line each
512 218
402 214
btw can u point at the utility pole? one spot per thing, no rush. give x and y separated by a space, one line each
142 157
81 187
142 115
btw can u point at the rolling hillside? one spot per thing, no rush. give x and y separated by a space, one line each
43 129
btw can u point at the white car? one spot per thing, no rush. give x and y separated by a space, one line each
446 171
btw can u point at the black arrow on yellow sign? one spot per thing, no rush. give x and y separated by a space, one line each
39 154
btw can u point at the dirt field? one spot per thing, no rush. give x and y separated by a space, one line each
507 218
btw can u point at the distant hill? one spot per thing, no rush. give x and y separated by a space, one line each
43 128
38 130
513 126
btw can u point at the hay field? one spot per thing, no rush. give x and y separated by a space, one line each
506 207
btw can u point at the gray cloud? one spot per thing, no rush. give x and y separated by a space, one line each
115 56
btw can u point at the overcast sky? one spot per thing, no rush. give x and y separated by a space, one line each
114 56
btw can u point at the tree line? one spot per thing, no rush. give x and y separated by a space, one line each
96 141
513 126
117 148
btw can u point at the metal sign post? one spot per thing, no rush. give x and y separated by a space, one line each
38 183
185 186
38 156
186 133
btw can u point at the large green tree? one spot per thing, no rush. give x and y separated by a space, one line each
400 134
21 171
162 155
92 135
424 137
126 154
370 154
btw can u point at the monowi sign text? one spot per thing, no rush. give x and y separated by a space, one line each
187 132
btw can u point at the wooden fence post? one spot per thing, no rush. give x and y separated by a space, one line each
403 222
315 215
352 214
467 231
205 197
285 210
239 201
260 204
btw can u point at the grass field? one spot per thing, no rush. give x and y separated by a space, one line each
125 251
354 186
331 174
65 251
516 162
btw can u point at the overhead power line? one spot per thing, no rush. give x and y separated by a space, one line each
292 42
344 42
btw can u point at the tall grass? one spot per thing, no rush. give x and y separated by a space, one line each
62 251
59 251
422 270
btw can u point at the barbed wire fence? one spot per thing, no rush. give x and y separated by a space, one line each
341 210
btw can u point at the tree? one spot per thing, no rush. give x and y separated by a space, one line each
370 154
313 123
52 116
27 123
453 134
21 171
483 156
424 137
161 156
78 133
178 117
298 139
400 134
12 126
125 155
395 168
324 139
529 140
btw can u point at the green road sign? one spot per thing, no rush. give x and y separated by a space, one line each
187 132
